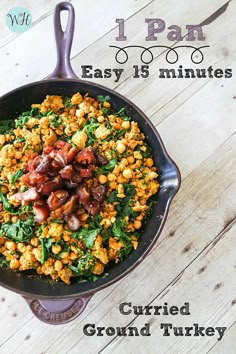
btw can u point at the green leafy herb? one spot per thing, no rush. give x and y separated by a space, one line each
123 205
16 175
109 167
55 121
4 262
9 208
118 232
121 112
120 133
46 244
87 235
106 112
40 229
35 112
102 99
23 189
6 125
57 221
20 231
146 153
22 120
113 197
67 102
89 128
49 113
84 266
21 139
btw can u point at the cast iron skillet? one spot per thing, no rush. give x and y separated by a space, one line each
59 303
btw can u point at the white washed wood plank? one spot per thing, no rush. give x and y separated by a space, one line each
38 9
31 57
228 345
158 92
199 130
212 289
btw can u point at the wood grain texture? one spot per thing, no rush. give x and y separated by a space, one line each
194 259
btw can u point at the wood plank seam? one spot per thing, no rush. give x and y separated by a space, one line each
228 329
205 83
173 282
214 16
41 18
188 176
112 29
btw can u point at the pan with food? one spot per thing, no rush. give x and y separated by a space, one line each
86 184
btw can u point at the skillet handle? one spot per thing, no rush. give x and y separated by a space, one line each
56 312
63 42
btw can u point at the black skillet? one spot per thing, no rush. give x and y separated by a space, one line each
59 303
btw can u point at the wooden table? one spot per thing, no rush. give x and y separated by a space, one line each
194 259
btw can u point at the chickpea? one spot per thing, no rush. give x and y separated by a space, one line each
137 224
14 264
124 141
111 177
58 265
65 261
64 255
130 159
113 185
21 247
4 189
143 201
100 119
124 162
84 217
74 249
120 147
34 241
56 249
121 179
149 162
126 124
138 155
140 217
10 245
106 104
102 179
66 238
14 218
73 256
127 173
2 139
18 155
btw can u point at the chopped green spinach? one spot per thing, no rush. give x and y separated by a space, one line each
102 99
87 235
16 175
67 102
89 127
109 167
46 244
84 266
20 231
4 262
55 121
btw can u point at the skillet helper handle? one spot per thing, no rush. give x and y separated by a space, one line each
56 312
63 42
